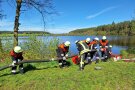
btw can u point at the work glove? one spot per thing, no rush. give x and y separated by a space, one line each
89 58
101 49
52 59
19 60
96 49
106 46
64 58
14 63
66 55
62 55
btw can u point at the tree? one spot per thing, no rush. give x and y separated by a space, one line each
44 7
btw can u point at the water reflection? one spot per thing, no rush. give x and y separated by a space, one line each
123 41
118 42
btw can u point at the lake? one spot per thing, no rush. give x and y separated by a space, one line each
118 42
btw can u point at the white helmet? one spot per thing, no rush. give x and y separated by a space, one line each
87 40
104 37
96 39
67 43
17 49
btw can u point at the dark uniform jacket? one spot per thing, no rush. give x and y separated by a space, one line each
16 56
62 49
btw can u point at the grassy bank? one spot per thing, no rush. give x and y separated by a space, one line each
47 76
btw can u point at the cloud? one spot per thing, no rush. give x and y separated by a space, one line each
6 23
101 12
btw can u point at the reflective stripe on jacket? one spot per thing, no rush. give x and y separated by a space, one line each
86 42
83 47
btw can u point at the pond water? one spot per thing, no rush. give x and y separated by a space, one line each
118 42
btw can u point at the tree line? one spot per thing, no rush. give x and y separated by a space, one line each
122 28
25 32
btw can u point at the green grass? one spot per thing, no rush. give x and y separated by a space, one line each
48 76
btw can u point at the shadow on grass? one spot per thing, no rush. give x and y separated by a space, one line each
30 67
27 68
7 74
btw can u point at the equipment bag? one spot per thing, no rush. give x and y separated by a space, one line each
76 59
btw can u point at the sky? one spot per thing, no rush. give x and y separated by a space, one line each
72 14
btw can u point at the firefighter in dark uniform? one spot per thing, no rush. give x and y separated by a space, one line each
109 51
62 52
16 55
84 52
94 50
87 41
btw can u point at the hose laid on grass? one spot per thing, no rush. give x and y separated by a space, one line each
33 61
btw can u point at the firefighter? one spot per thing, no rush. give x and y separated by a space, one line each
103 47
109 51
16 55
62 52
84 53
94 50
87 41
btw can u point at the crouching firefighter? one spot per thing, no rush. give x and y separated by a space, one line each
84 53
104 43
94 50
62 53
16 55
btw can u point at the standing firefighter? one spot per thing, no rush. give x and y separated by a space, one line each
16 55
103 47
84 52
87 41
62 52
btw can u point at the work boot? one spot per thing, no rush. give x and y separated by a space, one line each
13 72
81 68
21 70
97 61
60 65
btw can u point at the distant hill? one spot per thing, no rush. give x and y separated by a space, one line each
122 28
25 32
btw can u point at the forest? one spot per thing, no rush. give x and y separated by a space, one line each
126 28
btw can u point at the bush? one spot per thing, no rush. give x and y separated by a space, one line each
35 47
124 53
131 50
